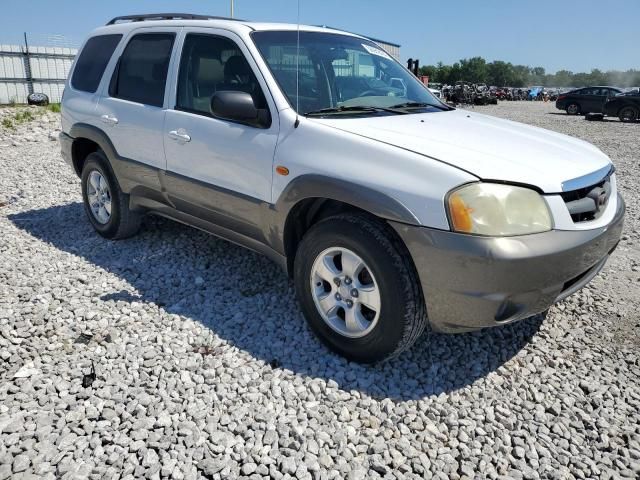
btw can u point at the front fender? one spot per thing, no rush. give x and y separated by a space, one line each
363 197
312 186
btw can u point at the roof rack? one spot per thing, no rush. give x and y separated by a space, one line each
165 16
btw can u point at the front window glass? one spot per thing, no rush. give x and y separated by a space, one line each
210 64
339 71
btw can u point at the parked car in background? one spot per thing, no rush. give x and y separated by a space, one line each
535 93
625 106
586 100
436 92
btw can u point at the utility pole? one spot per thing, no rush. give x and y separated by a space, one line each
231 8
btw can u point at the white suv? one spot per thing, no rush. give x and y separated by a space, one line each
388 208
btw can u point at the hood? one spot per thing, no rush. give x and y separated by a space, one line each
488 147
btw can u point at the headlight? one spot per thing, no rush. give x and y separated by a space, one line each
497 210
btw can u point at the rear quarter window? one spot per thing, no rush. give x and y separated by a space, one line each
92 61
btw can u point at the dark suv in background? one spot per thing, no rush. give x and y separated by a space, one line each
586 100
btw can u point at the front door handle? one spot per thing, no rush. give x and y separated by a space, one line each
180 135
109 119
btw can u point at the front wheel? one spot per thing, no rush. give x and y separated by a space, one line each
358 288
573 109
628 114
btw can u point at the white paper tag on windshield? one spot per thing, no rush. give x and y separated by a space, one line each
376 51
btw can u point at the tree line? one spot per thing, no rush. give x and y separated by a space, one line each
505 74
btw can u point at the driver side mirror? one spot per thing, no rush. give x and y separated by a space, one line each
238 106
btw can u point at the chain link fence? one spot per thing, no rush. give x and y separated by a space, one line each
40 65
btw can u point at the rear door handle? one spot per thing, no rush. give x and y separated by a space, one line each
180 135
109 119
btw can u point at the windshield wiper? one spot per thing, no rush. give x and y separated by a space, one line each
421 105
354 108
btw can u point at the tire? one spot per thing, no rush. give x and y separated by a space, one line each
628 114
38 99
594 117
120 222
573 109
401 316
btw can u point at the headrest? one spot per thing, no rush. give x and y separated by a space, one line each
236 66
210 70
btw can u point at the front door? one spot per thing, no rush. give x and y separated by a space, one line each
218 170
594 100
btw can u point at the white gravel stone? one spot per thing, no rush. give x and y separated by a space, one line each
205 367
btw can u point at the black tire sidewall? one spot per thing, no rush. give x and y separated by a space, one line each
635 114
97 161
578 109
43 101
388 333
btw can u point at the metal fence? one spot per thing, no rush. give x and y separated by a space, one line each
26 69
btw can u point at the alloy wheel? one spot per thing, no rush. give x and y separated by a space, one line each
99 197
572 109
345 292
628 114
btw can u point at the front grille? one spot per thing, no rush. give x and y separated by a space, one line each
586 204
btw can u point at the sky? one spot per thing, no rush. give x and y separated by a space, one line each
576 35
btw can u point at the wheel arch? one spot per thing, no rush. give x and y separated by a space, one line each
633 106
88 139
310 198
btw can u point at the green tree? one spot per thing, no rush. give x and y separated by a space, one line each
442 73
430 71
474 70
500 73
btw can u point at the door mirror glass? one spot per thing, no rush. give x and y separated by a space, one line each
238 106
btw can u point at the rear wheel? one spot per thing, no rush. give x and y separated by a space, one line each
107 207
573 109
628 114
358 288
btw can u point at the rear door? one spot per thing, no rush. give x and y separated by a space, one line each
218 170
132 107
81 90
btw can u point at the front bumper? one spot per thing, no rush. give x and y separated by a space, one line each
471 282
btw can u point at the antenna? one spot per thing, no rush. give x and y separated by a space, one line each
297 122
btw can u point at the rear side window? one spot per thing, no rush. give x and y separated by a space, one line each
92 62
141 75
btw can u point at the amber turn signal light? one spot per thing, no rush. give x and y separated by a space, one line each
280 170
460 214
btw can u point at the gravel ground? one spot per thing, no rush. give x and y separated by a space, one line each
204 367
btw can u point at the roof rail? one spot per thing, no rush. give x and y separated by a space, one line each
165 16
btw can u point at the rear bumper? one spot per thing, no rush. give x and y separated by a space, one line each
65 147
471 282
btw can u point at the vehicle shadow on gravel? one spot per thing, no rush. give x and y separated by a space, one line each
248 302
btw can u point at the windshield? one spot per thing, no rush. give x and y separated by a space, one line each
339 73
